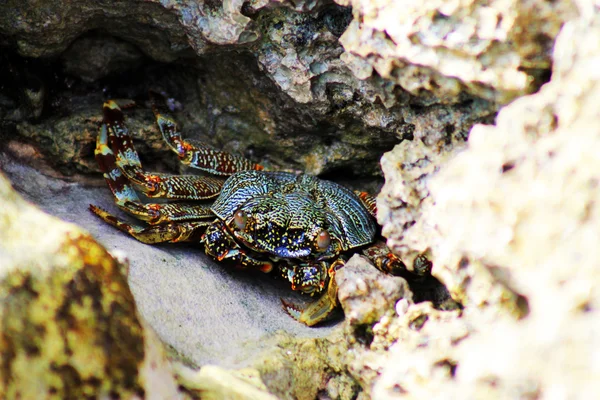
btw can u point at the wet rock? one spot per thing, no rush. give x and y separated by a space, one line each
493 51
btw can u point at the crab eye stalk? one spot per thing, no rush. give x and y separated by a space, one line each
240 218
323 240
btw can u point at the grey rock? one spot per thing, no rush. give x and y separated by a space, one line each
94 57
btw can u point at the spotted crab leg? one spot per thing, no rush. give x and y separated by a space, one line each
193 153
379 254
171 222
322 308
116 137
189 231
127 199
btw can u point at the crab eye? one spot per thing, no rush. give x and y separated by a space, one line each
323 240
240 219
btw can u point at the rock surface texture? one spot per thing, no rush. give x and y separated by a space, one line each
511 225
509 218
492 49
284 96
69 327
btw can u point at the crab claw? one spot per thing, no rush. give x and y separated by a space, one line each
292 310
316 311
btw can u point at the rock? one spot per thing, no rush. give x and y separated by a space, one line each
69 326
493 51
212 382
510 224
422 357
284 97
93 57
367 294
49 31
304 368
405 196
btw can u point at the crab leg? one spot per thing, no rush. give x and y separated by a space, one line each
368 201
193 153
379 254
220 245
114 139
384 260
127 199
190 231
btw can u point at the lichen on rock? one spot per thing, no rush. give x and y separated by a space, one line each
68 322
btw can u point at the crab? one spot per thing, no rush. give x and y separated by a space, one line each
298 225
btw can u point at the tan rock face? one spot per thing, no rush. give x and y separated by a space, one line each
511 224
488 48
366 294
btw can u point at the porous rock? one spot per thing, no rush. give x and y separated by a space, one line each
511 225
367 294
340 364
493 50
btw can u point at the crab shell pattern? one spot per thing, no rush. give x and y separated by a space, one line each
299 225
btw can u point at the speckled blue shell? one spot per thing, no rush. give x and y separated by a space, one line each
354 223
